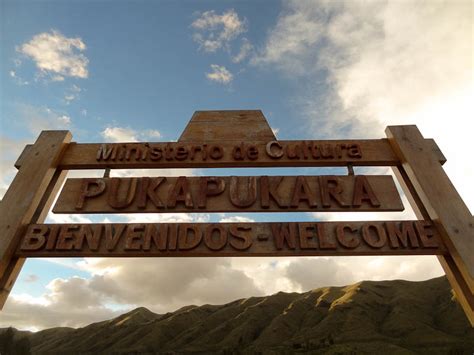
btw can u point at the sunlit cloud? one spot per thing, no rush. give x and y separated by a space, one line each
244 51
114 134
220 74
214 31
57 55
379 73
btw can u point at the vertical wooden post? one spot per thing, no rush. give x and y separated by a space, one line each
456 279
433 196
27 200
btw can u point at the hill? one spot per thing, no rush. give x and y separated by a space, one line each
393 317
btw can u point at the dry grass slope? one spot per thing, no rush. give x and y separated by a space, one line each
393 317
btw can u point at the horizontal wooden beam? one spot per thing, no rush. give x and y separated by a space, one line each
227 154
73 158
231 239
343 193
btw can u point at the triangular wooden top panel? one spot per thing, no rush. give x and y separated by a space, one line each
209 126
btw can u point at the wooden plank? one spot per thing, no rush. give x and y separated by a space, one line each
438 195
380 158
433 196
376 152
23 156
231 239
457 281
209 126
24 197
15 265
435 150
229 194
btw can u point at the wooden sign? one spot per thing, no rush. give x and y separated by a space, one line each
229 154
220 139
231 239
228 194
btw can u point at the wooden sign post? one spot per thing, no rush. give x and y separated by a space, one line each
237 139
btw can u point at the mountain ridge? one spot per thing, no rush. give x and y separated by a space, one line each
369 316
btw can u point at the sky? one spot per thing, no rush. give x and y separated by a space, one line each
114 71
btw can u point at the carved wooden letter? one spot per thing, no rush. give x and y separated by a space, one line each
218 242
331 189
147 190
349 243
88 191
238 197
302 192
375 241
363 191
180 193
243 234
209 186
189 237
113 197
35 238
269 189
282 235
404 235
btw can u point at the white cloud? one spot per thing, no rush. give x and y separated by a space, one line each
57 78
10 150
34 119
39 118
152 133
379 73
152 172
245 50
214 31
119 134
309 273
67 218
72 93
162 284
66 302
31 278
236 219
166 217
69 98
116 134
75 88
166 284
57 55
292 41
64 119
220 74
19 81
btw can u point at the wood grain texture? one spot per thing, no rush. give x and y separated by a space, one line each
25 200
210 126
231 239
7 280
376 159
433 196
443 204
460 283
229 194
376 152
